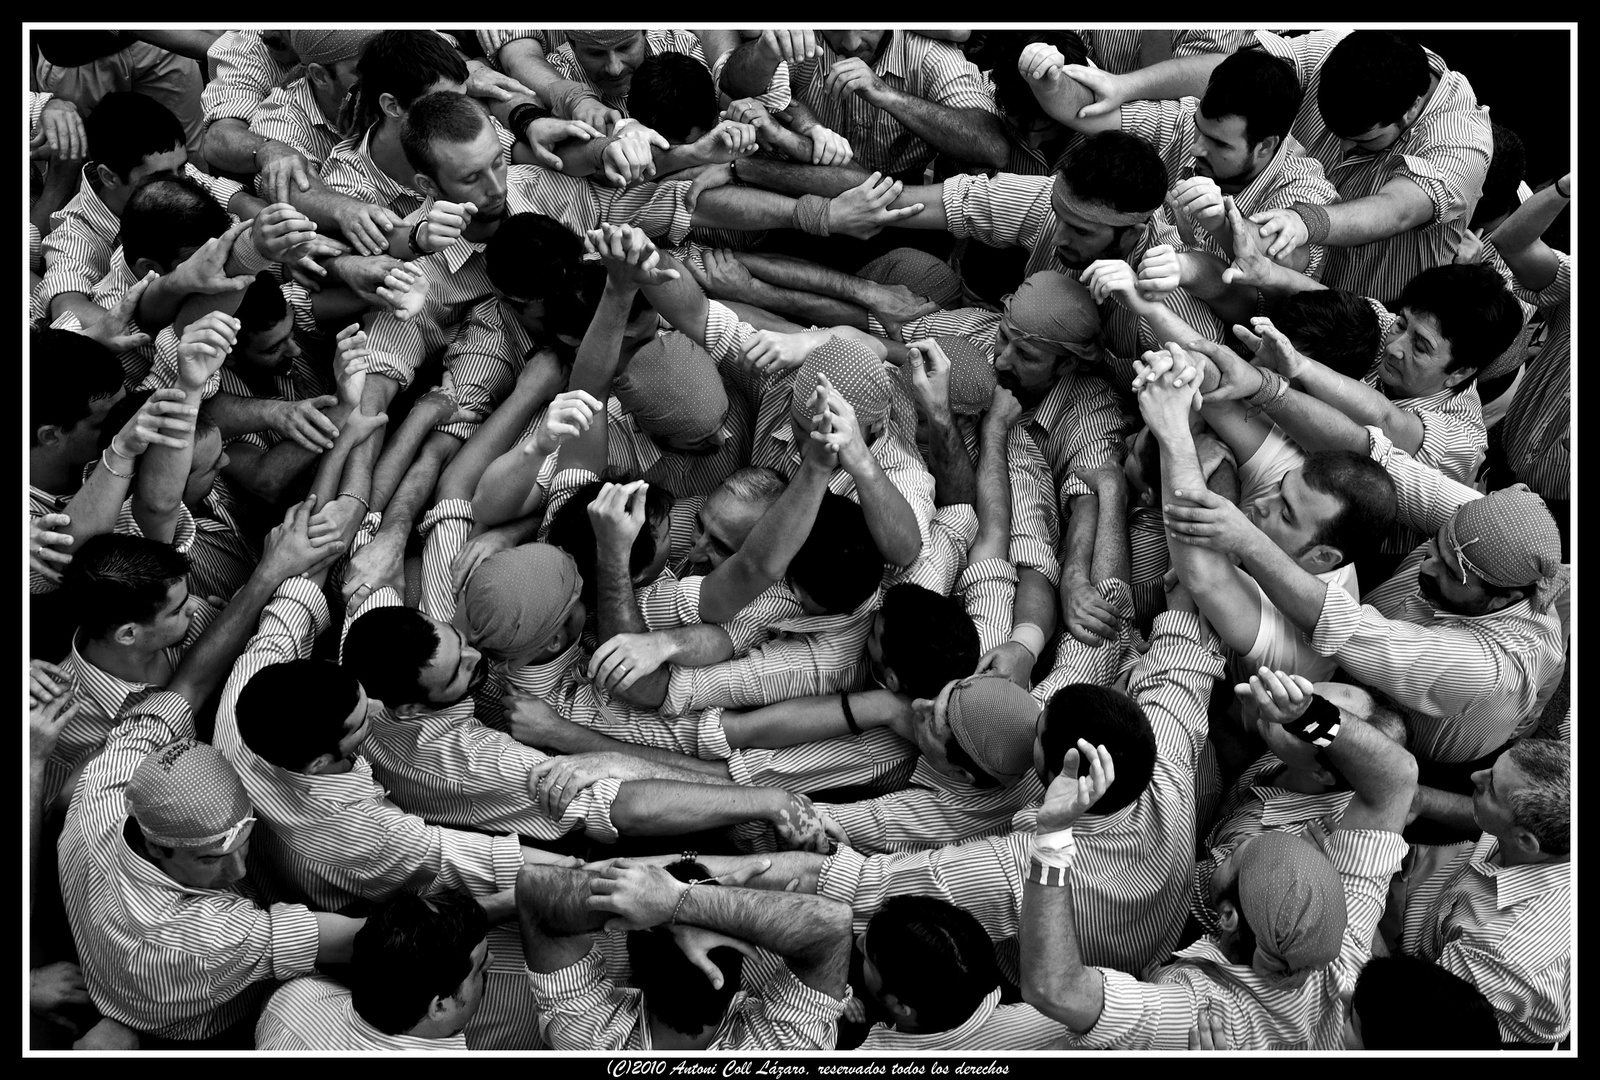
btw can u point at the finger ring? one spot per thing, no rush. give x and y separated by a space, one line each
38 549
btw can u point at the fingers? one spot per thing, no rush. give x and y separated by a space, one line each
745 873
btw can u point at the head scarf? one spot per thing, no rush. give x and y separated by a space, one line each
1509 539
918 271
186 795
1292 898
328 47
1056 311
671 387
994 719
516 599
1099 213
602 39
971 375
855 371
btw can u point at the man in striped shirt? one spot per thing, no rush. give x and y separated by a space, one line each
305 114
245 66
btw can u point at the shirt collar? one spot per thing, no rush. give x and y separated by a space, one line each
107 691
94 208
1514 885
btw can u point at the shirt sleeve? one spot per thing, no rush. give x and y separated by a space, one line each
946 77
982 876
1138 1016
241 76
444 531
480 372
988 592
823 662
580 1008
1424 497
783 1013
1005 210
1449 158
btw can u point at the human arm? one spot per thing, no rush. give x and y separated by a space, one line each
811 719
381 559
1176 78
1518 237
191 43
751 66
954 479
1446 807
671 808
1064 98
1033 620
539 381
617 514
508 489
524 60
967 133
889 516
166 419
994 479
1397 207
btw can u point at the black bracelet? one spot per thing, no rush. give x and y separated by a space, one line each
414 239
525 114
849 717
1318 725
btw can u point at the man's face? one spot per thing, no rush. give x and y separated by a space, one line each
170 625
357 726
464 1003
1374 140
473 172
271 349
1492 790
611 70
1222 152
721 528
861 44
661 533
1439 579
1415 356
930 725
1078 241
1294 514
218 866
207 463
78 443
342 76
1026 368
455 670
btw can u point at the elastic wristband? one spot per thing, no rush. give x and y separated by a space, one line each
1054 850
1029 636
105 462
1320 724
525 114
811 215
1316 219
414 238
1567 194
849 717
1041 874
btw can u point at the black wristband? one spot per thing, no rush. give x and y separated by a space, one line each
525 114
1318 725
849 717
414 239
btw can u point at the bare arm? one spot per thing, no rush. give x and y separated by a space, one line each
772 544
994 492
811 932
190 43
1518 237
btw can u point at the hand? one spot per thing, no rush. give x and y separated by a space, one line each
46 681
625 161
844 435
404 290
1106 477
108 1035
703 178
205 344
1010 659
1201 201
304 422
43 558
532 722
279 229
1208 520
443 224
726 142
1271 349
789 46
725 277
1087 615
862 212
46 721
1252 263
819 453
556 781
799 827
896 305
473 552
290 551
1110 91
1280 698
206 270
617 514
568 415
1166 401
854 1011
283 170
117 329
381 563
750 111
641 894
485 82
1160 271
630 258
1210 1031
365 225
828 147
351 361
548 132
338 517
1113 278
625 659
1471 249
1070 796
590 110
628 128
1004 410
852 76
1288 226
696 943
51 987
1226 376
165 410
61 136
930 378
772 352
1040 60
359 426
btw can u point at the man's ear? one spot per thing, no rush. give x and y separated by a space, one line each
318 74
898 1009
1458 376
1228 917
1325 557
142 267
1504 600
406 712
1525 842
390 106
47 434
126 634
1066 364
424 183
1264 150
108 178
318 765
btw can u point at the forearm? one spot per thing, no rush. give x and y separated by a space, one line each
807 720
1181 471
496 436
401 445
1361 404
670 808
1054 978
235 415
792 178
1378 217
618 611
273 473
792 273
336 937
87 311
1077 556
208 661
1317 425
965 134
1445 807
231 146
890 519
94 508
554 900
1035 603
954 481
509 488
1380 770
1164 323
697 646
190 43
667 764
811 932
413 493
1111 559
158 491
330 465
767 551
805 307
994 499
1061 99
1201 274
1294 592
748 209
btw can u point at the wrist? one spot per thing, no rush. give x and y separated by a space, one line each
1316 221
1030 636
120 454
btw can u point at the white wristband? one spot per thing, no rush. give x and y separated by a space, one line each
1051 858
1029 636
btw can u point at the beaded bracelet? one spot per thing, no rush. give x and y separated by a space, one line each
366 507
684 895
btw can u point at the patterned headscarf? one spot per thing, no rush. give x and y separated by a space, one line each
1294 902
602 39
517 598
971 375
855 371
186 795
672 388
993 719
1056 311
1509 540
327 47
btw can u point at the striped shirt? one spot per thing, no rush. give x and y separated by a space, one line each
1131 880
1035 523
1453 435
243 72
291 115
992 1026
1467 683
335 837
351 171
1445 151
935 71
108 293
318 1014
775 97
1157 1015
1290 176
934 810
1505 929
160 957
582 1008
42 502
1537 430
1101 665
224 554
1121 51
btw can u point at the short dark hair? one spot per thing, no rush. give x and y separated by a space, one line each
165 214
1369 79
119 414
403 63
411 950
126 127
263 306
673 93
1258 87
1476 313
441 117
1407 1003
839 565
115 578
1108 718
1507 167
572 313
677 992
1002 50
1332 327
927 639
533 257
1367 498
66 372
1118 170
320 696
573 532
387 649
1544 807
934 957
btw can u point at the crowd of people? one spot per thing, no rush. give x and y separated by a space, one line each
881 540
